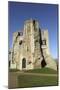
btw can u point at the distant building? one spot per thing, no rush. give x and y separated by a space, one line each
31 48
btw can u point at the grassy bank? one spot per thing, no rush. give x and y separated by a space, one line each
43 70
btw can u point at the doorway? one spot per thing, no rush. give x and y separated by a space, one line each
23 63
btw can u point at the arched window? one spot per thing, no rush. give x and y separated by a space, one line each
20 42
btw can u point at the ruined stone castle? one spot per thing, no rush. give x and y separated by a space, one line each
31 48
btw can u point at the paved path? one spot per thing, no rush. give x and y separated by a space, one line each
36 74
13 77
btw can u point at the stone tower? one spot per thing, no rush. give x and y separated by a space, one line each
31 48
32 43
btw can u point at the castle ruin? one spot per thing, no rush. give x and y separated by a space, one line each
31 48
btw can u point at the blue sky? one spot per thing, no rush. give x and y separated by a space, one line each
46 14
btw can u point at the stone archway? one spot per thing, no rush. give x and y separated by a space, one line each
43 63
23 63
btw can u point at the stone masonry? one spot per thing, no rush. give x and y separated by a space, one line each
31 48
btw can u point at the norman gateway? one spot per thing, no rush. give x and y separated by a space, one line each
31 48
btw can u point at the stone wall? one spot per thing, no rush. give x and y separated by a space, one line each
31 48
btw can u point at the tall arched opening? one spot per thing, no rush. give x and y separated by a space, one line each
23 63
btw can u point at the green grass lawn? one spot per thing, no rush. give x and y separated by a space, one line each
31 81
43 70
36 81
24 80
